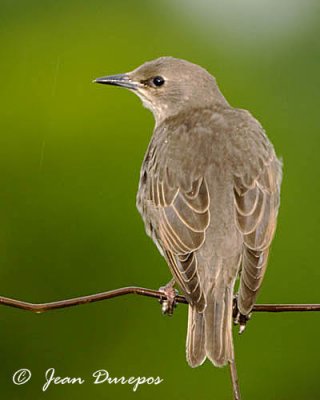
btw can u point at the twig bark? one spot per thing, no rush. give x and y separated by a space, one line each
43 307
234 379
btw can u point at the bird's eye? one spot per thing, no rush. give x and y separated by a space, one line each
158 81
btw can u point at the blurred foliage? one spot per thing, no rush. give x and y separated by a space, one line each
70 154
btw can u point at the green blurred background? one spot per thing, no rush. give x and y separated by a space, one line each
70 154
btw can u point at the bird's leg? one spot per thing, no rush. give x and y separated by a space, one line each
238 318
168 301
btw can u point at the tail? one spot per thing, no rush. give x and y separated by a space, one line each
196 349
210 332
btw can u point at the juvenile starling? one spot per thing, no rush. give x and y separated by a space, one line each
208 194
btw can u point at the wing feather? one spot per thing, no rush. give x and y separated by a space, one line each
256 206
179 217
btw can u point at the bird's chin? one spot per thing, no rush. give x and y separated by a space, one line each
159 112
146 102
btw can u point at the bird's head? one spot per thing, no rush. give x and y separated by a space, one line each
169 85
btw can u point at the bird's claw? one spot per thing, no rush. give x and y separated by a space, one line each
242 321
168 301
238 318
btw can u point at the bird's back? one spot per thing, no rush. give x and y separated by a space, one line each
221 164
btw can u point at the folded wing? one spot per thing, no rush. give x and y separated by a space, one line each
256 204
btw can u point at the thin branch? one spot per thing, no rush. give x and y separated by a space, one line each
43 307
234 379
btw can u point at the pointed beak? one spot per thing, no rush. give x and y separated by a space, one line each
122 80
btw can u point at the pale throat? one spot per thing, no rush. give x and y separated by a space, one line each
159 111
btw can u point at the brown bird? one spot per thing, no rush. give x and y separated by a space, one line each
208 194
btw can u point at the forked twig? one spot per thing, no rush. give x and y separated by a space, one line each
43 307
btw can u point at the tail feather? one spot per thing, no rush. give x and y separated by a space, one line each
218 327
210 332
196 353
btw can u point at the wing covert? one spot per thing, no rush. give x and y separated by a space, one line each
179 218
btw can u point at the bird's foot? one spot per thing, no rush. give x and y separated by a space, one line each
238 318
168 301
